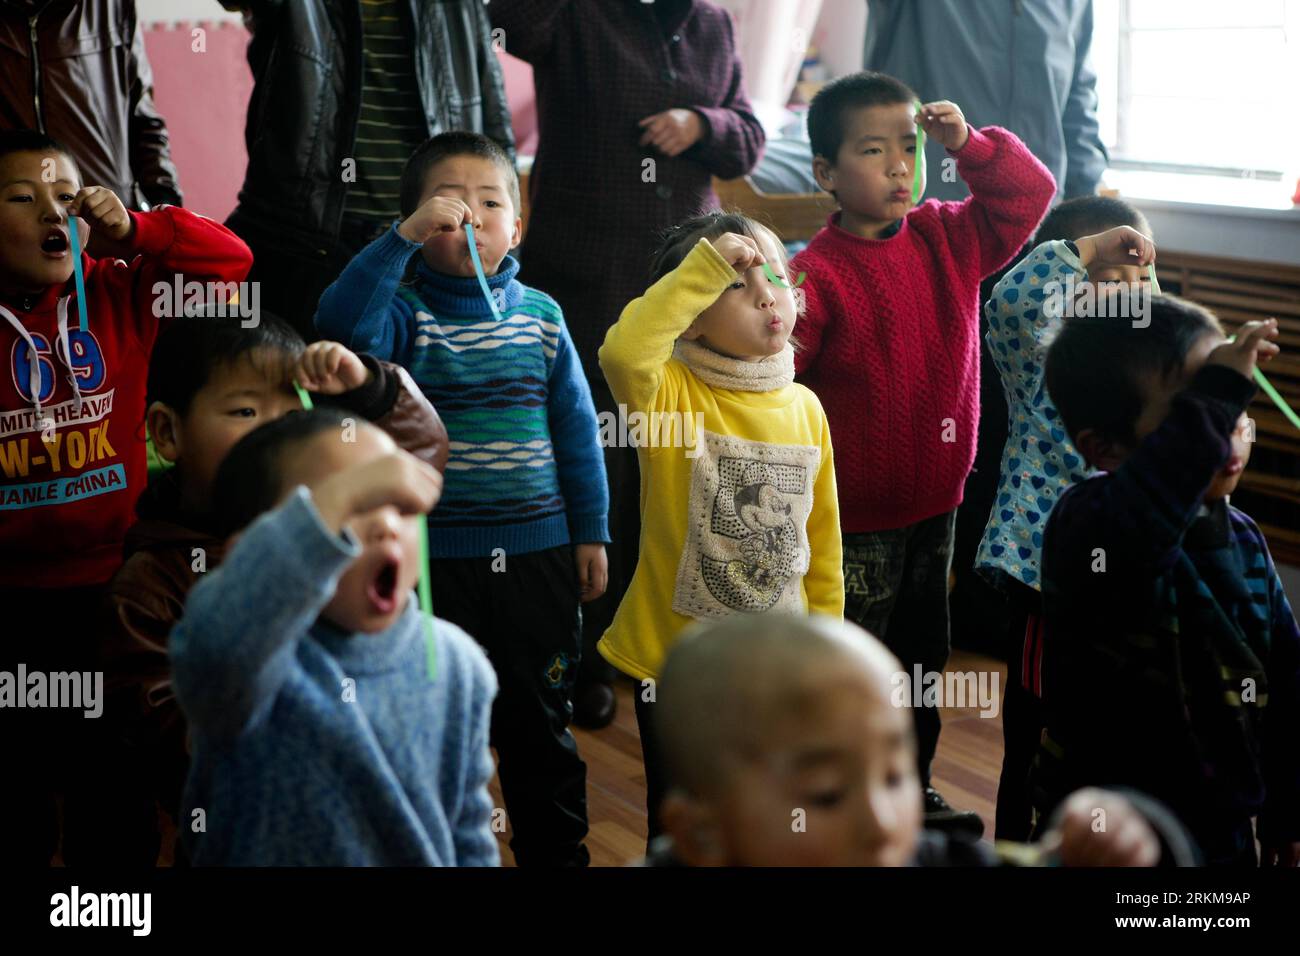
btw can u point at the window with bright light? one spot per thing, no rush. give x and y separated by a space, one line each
1200 86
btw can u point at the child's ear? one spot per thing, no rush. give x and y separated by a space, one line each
1100 451
692 332
165 430
517 235
824 173
693 827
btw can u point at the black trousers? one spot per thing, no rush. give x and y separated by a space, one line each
109 814
656 778
896 586
527 618
1022 714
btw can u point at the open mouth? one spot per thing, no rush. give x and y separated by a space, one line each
55 243
382 591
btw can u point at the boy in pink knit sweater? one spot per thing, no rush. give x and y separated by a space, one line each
890 342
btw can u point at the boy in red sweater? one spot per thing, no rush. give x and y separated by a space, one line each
72 462
890 342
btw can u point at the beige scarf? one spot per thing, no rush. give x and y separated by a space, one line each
773 372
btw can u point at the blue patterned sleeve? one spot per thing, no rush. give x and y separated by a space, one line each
1023 312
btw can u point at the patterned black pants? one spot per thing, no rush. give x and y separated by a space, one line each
896 586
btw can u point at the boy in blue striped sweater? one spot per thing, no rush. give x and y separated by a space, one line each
517 541
1172 663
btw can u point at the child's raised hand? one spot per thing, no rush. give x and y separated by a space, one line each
437 214
398 479
741 252
1100 828
944 121
103 212
593 570
330 368
1250 347
1121 246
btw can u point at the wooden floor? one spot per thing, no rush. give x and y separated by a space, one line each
965 771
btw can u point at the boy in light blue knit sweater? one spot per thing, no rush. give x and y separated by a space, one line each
328 727
518 539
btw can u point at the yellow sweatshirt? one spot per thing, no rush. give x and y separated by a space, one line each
738 506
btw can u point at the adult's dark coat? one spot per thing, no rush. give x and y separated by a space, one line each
306 58
77 70
599 199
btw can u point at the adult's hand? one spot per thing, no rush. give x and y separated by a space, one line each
672 132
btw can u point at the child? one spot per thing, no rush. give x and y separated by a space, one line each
812 761
1173 657
743 519
1038 460
326 730
517 542
211 381
71 461
891 348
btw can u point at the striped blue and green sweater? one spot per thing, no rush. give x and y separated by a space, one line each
526 471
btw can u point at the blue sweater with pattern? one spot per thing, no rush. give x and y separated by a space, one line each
315 747
525 470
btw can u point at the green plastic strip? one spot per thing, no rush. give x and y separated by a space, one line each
303 396
75 240
919 173
1151 274
777 280
1267 388
426 599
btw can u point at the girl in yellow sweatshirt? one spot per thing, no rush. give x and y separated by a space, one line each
738 502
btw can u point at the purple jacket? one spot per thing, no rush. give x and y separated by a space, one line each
601 66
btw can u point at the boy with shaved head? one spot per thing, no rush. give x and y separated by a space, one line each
784 749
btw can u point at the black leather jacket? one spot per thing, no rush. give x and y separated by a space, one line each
302 118
78 72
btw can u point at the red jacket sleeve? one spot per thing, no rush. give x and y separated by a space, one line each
170 242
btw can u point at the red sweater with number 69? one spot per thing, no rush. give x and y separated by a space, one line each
890 335
71 471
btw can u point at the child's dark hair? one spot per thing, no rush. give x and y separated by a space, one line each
1096 368
444 146
32 141
677 243
827 112
1088 216
192 347
249 480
